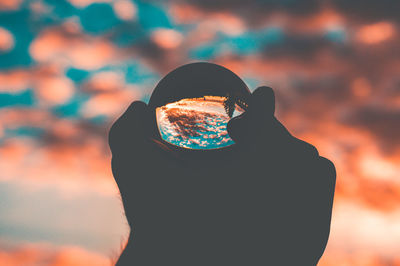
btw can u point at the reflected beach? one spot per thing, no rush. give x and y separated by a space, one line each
196 123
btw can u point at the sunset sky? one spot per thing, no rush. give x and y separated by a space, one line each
69 68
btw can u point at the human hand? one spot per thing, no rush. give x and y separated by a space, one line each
298 185
268 201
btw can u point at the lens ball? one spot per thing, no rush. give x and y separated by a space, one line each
194 103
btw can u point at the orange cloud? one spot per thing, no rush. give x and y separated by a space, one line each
376 33
125 9
361 236
361 87
6 40
10 4
185 13
110 104
44 254
13 118
15 80
355 258
79 166
106 81
327 18
66 46
228 23
167 38
54 90
49 84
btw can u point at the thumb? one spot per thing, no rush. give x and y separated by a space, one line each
262 103
258 124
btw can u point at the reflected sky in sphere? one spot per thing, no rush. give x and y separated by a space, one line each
196 123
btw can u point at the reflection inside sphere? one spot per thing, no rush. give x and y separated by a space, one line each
193 104
198 123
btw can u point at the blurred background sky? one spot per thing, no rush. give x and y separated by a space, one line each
68 68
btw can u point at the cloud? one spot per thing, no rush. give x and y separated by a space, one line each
48 83
157 58
167 38
42 254
15 80
85 3
125 9
105 81
376 33
381 122
66 46
55 90
334 66
359 229
10 4
355 258
301 47
260 11
110 104
6 40
52 152
257 9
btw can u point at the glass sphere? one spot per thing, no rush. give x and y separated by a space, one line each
194 103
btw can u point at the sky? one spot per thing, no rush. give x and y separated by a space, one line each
69 68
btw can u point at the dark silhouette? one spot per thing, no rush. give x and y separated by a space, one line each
197 80
231 102
229 105
266 200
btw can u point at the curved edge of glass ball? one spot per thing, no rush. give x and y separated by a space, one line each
196 80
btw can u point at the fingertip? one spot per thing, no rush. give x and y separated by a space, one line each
137 104
137 107
329 167
263 98
263 90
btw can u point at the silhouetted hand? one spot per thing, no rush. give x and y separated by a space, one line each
266 201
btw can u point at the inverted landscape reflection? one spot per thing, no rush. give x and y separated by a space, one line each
196 123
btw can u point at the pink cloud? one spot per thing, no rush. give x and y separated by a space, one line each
106 81
15 80
71 168
50 85
84 3
167 38
56 154
54 90
110 103
6 40
125 9
67 46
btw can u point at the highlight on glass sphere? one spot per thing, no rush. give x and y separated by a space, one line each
194 103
